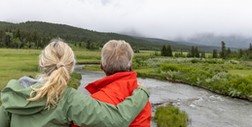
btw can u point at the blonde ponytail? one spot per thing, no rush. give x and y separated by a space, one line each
56 61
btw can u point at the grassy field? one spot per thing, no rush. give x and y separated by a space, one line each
15 63
87 56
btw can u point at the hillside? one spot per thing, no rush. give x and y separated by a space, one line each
46 31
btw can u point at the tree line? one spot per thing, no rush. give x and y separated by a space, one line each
22 39
194 52
225 52
15 38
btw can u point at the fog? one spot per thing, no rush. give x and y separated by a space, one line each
167 19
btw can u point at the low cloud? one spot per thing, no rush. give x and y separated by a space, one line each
166 19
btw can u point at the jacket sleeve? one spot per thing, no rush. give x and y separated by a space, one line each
4 117
86 111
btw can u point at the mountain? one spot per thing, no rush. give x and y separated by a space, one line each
74 34
210 39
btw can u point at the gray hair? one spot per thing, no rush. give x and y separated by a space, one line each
116 56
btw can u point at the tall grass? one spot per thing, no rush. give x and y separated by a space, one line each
170 116
227 77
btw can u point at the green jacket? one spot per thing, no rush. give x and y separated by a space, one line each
74 107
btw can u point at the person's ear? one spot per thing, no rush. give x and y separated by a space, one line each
101 67
130 69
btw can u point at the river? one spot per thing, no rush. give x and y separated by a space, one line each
205 109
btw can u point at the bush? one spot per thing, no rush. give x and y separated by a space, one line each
241 86
170 116
169 67
214 61
195 61
139 62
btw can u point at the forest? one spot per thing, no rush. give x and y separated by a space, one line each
36 35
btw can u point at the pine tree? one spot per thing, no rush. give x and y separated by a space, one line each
163 50
228 52
169 50
196 52
17 34
215 54
8 40
240 53
192 52
203 55
250 48
223 50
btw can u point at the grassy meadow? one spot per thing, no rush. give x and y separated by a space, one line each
15 63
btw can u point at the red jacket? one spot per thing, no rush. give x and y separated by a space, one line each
115 88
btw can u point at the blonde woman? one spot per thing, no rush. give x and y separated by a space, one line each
48 102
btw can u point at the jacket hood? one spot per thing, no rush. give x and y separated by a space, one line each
14 97
116 78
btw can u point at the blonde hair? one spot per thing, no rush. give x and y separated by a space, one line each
56 62
116 56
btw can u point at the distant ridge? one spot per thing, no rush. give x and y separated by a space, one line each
75 34
211 39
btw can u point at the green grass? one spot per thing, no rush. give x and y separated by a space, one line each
227 77
170 116
92 67
240 72
87 56
15 63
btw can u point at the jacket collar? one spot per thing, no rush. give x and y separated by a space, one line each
97 85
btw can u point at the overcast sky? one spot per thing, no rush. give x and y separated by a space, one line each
166 19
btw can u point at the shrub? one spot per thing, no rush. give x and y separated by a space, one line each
195 61
214 61
170 116
138 62
241 86
169 67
